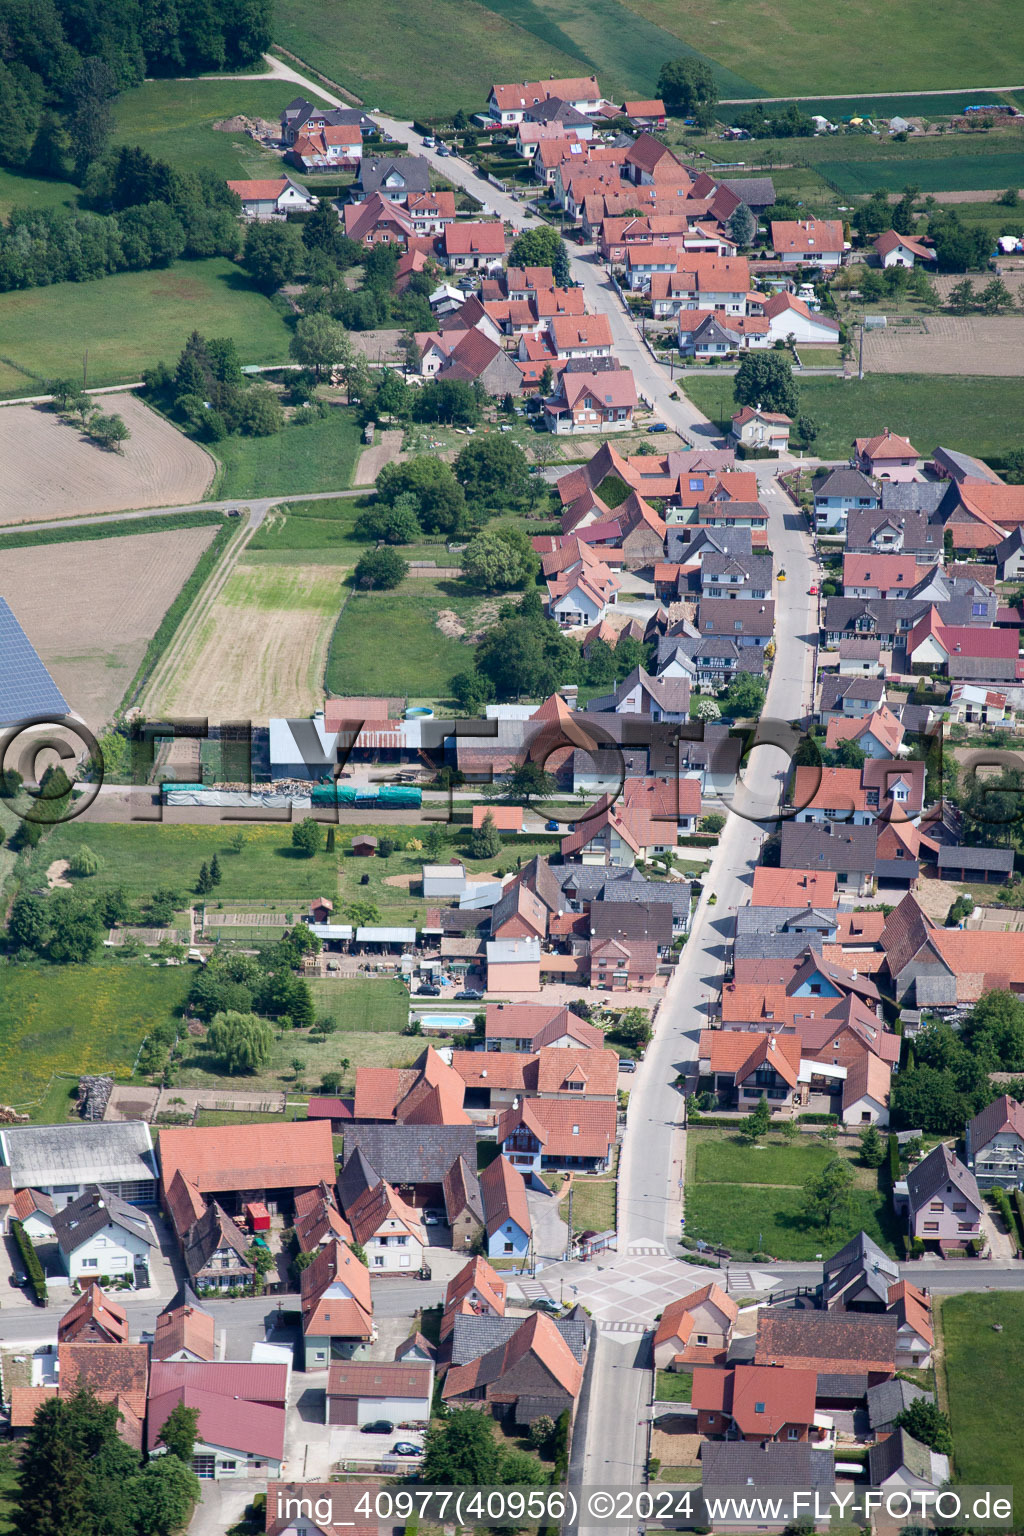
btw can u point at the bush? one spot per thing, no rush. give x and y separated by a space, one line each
30 1259
894 1158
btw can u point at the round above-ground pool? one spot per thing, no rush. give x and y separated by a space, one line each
419 712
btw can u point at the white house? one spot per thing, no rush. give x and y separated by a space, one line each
866 1091
755 428
35 1211
895 250
789 316
100 1234
388 1229
272 198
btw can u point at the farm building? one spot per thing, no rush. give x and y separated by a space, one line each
62 1161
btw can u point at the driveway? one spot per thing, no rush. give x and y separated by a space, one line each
550 1231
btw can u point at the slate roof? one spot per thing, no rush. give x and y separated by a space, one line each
95 1209
900 1450
807 845
356 1176
889 1399
26 687
473 1336
845 482
777 1464
940 1167
998 859
842 1384
414 169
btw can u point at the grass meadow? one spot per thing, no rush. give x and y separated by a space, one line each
388 642
130 321
940 173
977 415
748 1199
319 456
72 1019
462 46
982 1367
301 528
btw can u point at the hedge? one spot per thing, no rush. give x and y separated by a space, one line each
894 1158
815 1117
698 840
73 534
1018 1211
1011 1215
30 1259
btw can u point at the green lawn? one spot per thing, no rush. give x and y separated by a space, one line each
173 120
200 1070
363 1007
389 643
977 415
144 857
303 526
461 48
77 1018
317 457
749 1200
673 1387
593 1205
131 320
18 189
982 1367
948 173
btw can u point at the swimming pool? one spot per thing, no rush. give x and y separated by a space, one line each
447 1023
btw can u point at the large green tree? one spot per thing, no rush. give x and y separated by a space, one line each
461 1449
271 254
499 558
382 569
242 1042
766 379
688 88
542 247
828 1196
319 342
494 473
74 928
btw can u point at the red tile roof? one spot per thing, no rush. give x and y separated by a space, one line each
761 1399
336 1269
25 1403
185 1327
94 1309
793 888
479 1276
677 1315
504 1192
115 1372
538 1337
887 445
474 239
295 1155
553 1122
409 1379
811 237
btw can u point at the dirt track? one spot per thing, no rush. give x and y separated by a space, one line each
52 470
90 608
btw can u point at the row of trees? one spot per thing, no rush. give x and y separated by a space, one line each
141 214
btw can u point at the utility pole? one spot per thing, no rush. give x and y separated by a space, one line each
568 1251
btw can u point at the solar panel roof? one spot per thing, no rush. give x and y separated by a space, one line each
26 688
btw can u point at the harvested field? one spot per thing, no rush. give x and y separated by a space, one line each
90 608
52 470
971 344
262 648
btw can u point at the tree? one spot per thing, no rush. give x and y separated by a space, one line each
688 89
904 220
260 413
307 837
707 709
758 1122
962 297
179 1432
164 1495
546 383
765 379
28 925
323 232
828 1197
494 473
541 1431
925 1421
215 871
995 297
262 1261
382 569
742 226
872 1148
500 557
394 397
84 862
203 883
242 1042
713 823
462 1449
745 696
74 929
542 247
67 393
319 342
435 841
529 781
362 914
485 840
385 847
396 523
270 255
634 1026
449 400
75 1476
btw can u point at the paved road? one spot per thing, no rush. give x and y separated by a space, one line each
970 90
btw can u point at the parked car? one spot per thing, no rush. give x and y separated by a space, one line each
781 576
379 1427
470 995
812 591
429 142
443 150
428 991
658 426
406 1447
545 1304
434 1219
627 1064
551 826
